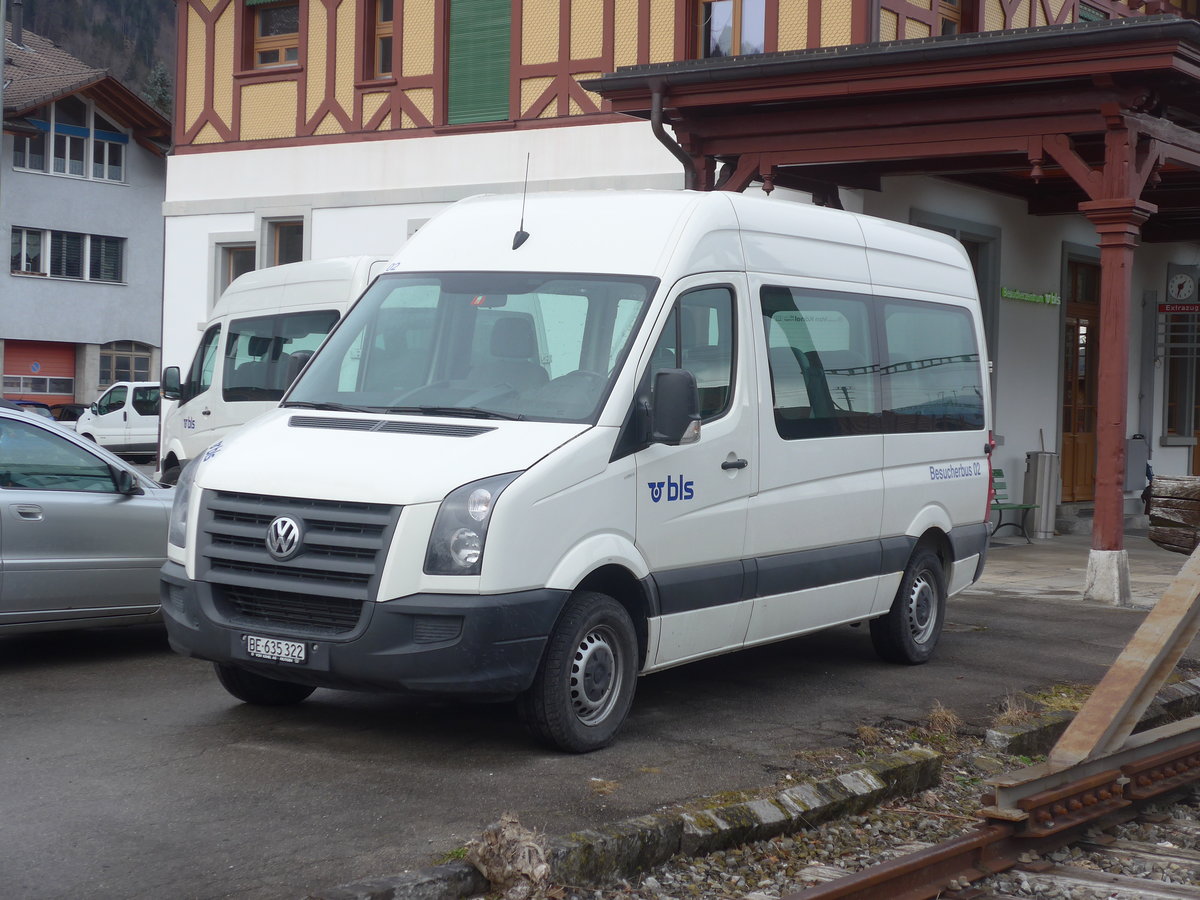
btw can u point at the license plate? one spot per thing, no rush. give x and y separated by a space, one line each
275 649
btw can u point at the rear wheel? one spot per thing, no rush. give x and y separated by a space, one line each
258 689
909 632
584 686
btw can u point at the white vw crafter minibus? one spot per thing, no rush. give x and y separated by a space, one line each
558 446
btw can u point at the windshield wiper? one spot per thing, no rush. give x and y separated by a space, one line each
334 407
474 412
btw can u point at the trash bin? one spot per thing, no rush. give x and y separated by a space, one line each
1041 487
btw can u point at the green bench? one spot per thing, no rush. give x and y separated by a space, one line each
1002 505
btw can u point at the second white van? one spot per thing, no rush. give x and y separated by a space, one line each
555 448
261 333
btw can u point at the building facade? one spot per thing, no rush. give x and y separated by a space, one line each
81 189
311 128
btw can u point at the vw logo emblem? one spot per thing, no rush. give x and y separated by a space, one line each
283 537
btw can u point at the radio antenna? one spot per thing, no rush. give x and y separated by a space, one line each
522 235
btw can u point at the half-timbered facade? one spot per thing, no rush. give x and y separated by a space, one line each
311 128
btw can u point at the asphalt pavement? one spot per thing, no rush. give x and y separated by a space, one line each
130 773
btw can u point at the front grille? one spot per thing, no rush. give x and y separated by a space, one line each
304 612
322 587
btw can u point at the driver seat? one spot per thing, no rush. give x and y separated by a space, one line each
513 349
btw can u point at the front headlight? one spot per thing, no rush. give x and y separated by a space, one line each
460 529
177 531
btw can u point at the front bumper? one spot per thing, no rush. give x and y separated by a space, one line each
460 644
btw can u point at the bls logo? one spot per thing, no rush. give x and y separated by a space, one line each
189 424
676 490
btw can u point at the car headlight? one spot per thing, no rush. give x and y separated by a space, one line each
177 531
460 529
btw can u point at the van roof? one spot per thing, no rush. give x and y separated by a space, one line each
343 277
669 233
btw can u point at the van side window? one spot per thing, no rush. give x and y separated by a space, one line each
145 401
824 378
931 377
200 374
113 400
699 337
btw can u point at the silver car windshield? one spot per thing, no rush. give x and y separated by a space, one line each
524 345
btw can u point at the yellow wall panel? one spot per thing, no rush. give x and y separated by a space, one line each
194 102
889 25
417 55
385 124
662 30
207 135
836 22
422 99
573 107
993 16
531 89
209 4
915 28
372 104
793 24
539 32
315 61
268 110
587 28
595 98
345 55
924 4
224 63
625 51
329 125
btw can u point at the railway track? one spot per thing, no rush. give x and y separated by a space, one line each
1148 856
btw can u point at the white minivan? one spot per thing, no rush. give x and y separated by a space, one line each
542 456
124 419
261 332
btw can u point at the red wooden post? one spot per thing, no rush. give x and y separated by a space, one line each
1119 223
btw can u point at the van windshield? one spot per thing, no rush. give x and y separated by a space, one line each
521 345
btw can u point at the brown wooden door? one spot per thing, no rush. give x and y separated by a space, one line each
1080 364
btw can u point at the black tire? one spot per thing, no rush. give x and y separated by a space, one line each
909 633
88 437
584 686
258 689
171 474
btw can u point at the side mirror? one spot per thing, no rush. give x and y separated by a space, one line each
94 409
675 412
170 383
125 482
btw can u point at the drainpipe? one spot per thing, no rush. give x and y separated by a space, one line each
18 22
656 126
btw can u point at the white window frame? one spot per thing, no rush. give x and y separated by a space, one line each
90 143
47 237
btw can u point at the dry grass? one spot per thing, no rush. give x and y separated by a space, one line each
1016 709
869 735
943 721
1063 697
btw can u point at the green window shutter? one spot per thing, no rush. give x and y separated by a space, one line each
479 60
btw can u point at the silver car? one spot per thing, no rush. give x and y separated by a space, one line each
82 533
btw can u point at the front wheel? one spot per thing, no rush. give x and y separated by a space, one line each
584 686
909 632
258 689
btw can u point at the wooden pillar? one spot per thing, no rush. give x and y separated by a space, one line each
1119 224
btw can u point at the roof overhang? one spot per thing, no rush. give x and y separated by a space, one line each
1029 112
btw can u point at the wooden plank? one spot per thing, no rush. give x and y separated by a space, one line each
1180 486
1108 717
